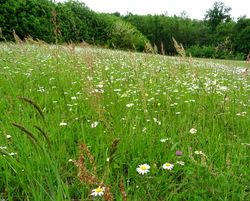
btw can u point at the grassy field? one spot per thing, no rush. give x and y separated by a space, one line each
83 123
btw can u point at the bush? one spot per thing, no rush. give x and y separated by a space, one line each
240 56
125 36
201 51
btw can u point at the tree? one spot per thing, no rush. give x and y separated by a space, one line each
224 30
217 14
125 36
241 36
27 18
8 19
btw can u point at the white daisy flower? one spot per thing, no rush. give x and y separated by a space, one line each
143 169
99 85
129 105
98 191
223 88
93 125
168 166
198 152
164 140
63 124
193 130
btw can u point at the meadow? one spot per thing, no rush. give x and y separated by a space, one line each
85 123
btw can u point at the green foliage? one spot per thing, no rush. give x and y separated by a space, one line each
241 36
195 34
160 29
201 51
125 36
27 18
222 51
8 20
68 26
224 30
219 13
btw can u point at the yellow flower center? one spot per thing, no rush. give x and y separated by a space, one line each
143 168
98 190
167 164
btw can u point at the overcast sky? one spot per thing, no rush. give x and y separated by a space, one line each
195 9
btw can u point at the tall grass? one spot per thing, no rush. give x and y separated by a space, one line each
75 118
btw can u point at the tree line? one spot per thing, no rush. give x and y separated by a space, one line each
216 36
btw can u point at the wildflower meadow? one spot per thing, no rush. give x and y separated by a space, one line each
86 123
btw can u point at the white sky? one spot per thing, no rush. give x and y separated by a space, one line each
195 9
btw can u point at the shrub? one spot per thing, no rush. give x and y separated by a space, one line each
201 51
125 36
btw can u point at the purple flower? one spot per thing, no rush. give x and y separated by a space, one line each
178 153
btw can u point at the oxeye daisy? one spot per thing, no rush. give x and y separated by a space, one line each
129 105
164 140
63 124
98 191
143 169
198 152
193 130
93 125
223 88
99 85
168 166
